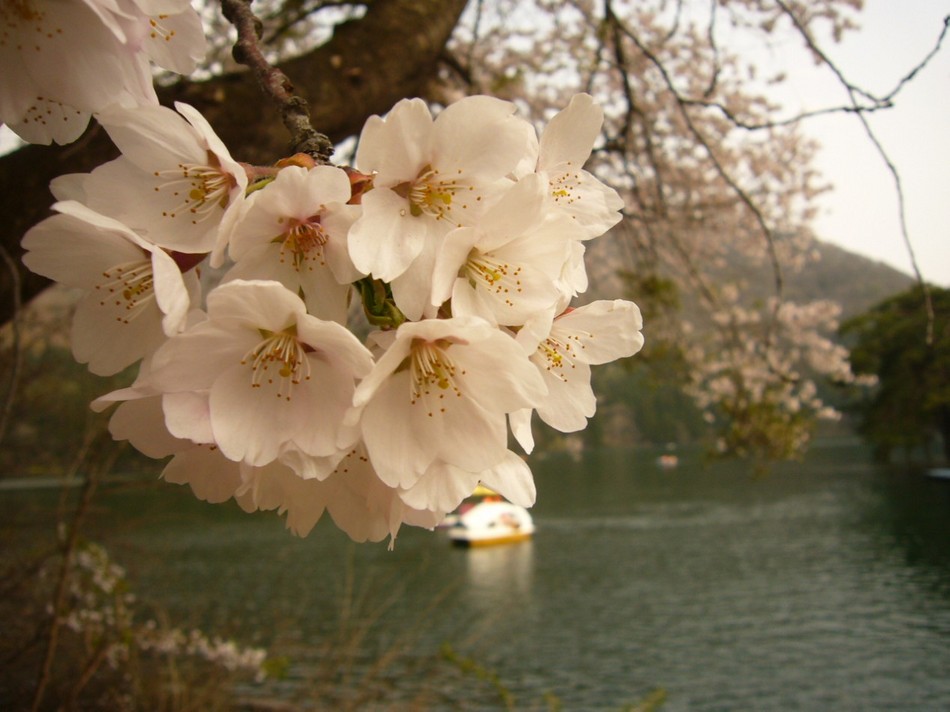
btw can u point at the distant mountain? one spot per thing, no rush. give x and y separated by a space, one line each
854 281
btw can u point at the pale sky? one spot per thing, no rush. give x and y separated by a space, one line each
861 213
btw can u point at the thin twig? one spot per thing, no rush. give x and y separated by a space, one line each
59 594
274 83
853 91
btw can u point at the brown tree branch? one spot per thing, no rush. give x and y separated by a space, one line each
273 82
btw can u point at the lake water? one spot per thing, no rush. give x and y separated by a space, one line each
821 586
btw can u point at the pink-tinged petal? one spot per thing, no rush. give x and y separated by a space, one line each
470 302
317 407
180 45
593 207
335 344
248 423
277 487
152 135
142 423
188 416
361 504
212 477
499 375
413 288
512 479
481 136
49 121
570 135
106 342
535 330
470 437
75 253
308 467
338 220
170 292
209 138
391 359
521 209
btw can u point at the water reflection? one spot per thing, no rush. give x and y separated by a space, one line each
498 573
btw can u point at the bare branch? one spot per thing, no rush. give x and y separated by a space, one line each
853 91
274 83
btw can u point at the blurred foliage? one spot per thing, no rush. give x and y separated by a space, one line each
909 354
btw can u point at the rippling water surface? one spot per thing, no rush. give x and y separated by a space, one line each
822 586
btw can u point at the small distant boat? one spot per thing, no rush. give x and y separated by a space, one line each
940 473
667 462
489 520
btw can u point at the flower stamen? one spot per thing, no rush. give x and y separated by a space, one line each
432 194
128 287
200 189
285 354
431 366
304 240
499 278
560 354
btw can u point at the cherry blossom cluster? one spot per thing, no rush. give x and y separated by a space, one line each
462 237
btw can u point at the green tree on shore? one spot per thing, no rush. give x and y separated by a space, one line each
910 357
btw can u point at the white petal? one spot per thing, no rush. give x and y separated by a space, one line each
570 135
512 479
212 477
607 330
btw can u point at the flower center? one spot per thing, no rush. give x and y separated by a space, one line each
434 194
197 190
128 288
433 374
564 187
280 358
498 277
559 354
304 241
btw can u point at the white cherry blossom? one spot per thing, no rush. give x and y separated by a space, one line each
508 268
430 176
136 295
275 377
564 349
175 182
440 393
294 231
566 144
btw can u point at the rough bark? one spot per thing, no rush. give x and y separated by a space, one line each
368 65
